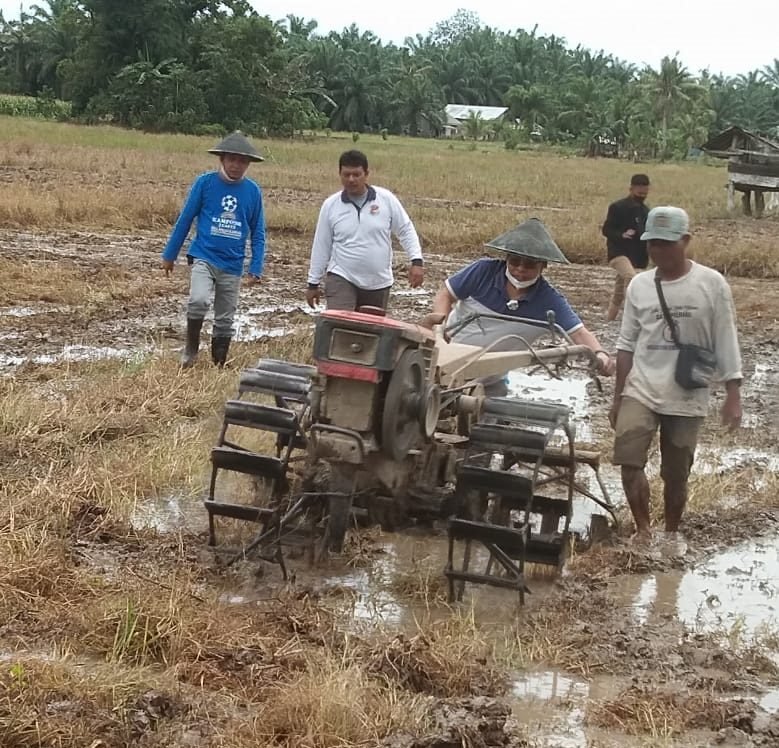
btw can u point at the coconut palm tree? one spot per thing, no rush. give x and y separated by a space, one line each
670 89
771 73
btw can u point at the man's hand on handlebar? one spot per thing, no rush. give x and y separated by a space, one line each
606 364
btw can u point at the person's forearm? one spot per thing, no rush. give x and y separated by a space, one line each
584 337
442 303
624 365
409 240
257 262
733 388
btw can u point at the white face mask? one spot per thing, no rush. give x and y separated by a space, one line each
224 176
518 284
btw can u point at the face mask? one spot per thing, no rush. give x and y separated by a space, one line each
226 178
518 284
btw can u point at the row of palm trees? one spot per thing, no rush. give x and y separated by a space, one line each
349 80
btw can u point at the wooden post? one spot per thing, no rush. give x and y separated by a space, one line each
746 202
759 203
731 197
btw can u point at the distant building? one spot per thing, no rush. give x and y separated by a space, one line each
455 116
753 166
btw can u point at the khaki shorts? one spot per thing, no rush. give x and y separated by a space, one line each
636 428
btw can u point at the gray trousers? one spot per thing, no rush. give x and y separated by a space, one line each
207 281
343 295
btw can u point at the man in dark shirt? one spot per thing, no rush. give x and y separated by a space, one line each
624 224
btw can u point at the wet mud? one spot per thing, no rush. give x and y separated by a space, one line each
691 615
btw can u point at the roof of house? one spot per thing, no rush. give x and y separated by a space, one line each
463 111
748 141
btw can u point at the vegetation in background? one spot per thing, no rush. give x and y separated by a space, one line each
203 66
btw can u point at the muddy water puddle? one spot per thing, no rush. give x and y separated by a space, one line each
572 391
271 321
170 513
734 592
32 311
72 354
577 392
552 707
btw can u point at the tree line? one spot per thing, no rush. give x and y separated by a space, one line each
204 66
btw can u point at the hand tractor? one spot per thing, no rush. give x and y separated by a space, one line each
391 426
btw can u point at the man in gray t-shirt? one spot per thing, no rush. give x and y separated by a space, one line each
646 392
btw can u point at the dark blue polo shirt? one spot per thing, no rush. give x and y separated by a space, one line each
484 282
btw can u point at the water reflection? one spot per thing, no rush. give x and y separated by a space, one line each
552 705
169 514
737 588
570 391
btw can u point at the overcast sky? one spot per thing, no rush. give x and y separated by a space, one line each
721 40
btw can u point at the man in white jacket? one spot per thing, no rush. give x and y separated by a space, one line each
352 249
652 389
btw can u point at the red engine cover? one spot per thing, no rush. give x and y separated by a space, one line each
375 320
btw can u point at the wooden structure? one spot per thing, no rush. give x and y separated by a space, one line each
753 166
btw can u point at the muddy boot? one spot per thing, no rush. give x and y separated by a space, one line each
189 356
219 347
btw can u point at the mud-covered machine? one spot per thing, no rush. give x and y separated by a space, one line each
391 426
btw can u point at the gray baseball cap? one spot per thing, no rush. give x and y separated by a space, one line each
666 223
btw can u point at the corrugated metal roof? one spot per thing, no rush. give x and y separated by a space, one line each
463 111
747 141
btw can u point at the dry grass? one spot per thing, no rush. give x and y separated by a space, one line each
334 703
448 658
61 704
459 198
90 287
663 712
420 581
83 444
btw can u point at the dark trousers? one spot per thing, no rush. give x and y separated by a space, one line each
341 294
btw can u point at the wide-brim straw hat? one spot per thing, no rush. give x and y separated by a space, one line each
530 239
238 144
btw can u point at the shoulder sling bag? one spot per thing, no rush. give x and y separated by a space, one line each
695 366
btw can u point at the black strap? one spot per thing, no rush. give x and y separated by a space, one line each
669 320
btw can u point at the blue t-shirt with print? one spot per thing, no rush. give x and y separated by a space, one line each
484 281
227 214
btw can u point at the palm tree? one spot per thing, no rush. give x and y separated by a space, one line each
453 73
300 27
415 98
530 104
771 73
669 89
19 53
56 32
475 126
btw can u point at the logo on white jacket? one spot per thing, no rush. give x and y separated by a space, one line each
229 203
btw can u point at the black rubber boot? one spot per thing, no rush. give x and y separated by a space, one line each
189 356
219 347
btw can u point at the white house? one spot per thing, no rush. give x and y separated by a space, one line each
456 114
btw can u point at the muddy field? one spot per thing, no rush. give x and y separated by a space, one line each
118 628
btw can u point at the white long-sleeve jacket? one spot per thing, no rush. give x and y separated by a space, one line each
355 241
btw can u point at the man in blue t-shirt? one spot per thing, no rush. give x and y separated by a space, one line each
513 287
228 208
